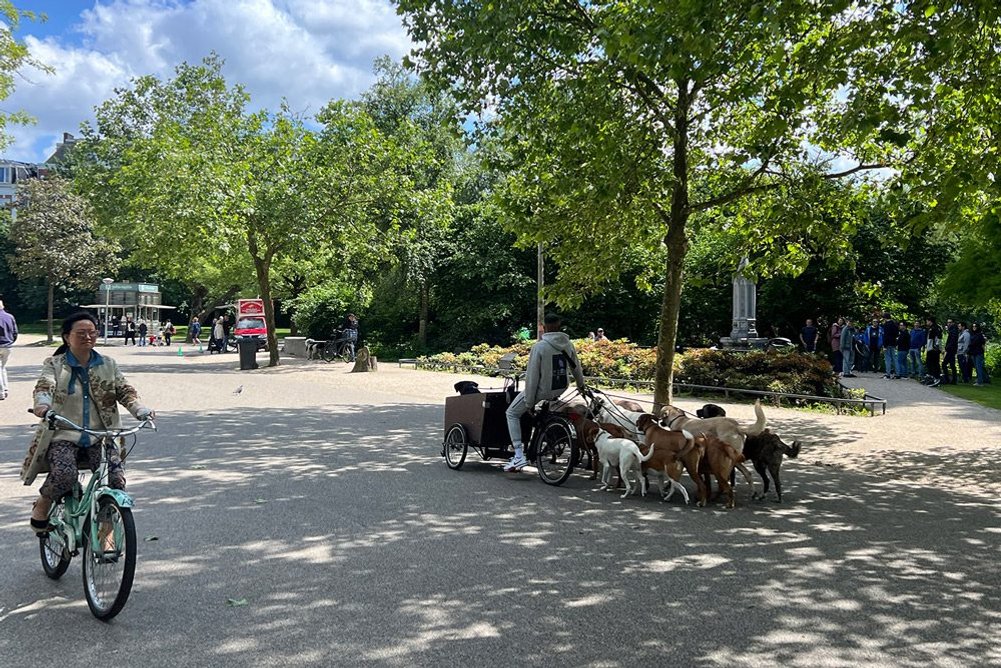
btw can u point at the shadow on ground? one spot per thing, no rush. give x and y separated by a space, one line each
353 544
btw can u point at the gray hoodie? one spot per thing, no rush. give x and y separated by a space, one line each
551 361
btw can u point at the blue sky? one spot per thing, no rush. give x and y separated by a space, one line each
308 51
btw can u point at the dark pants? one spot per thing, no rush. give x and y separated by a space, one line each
965 367
130 335
874 358
65 456
838 360
949 366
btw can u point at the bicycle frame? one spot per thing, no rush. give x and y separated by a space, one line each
71 514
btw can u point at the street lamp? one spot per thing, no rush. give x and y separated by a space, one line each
107 305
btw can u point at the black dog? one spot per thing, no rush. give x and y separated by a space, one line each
765 450
710 411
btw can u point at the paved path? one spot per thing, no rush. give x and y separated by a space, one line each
318 496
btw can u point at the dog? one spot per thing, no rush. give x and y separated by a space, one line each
586 444
765 450
726 429
620 452
628 405
710 411
674 449
719 460
609 412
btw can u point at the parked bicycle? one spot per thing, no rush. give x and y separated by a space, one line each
340 347
96 519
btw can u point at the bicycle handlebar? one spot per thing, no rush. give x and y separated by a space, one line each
52 416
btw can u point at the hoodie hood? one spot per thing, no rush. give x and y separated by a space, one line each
559 341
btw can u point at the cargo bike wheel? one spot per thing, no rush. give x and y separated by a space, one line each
555 447
455 446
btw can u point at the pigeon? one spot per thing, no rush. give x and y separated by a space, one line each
238 390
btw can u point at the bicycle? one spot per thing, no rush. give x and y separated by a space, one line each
340 347
98 520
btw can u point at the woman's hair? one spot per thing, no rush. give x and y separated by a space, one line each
68 327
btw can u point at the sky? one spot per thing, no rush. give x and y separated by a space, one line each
306 51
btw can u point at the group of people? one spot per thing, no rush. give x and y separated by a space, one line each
922 350
140 332
600 336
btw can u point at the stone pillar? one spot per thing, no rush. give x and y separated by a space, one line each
745 307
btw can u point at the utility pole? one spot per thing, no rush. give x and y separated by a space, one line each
540 305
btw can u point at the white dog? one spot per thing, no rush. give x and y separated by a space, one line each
609 412
623 453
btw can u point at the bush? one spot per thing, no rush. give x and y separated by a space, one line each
320 310
992 359
794 373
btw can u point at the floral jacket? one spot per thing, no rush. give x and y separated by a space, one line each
107 387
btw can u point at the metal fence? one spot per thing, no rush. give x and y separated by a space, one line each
868 402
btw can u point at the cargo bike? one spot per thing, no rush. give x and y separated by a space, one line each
476 420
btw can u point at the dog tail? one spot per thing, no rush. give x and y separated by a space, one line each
747 474
689 443
791 451
759 424
648 455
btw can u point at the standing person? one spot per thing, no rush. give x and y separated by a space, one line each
196 331
903 347
847 346
130 330
8 335
933 352
978 342
550 362
963 353
834 339
219 334
600 336
226 326
350 333
891 333
808 337
115 325
86 387
919 339
874 341
951 350
168 331
143 331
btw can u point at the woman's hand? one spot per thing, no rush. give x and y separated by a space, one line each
146 414
41 409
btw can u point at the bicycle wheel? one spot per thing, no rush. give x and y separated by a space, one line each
456 446
555 451
107 575
55 557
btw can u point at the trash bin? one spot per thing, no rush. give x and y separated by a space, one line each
248 354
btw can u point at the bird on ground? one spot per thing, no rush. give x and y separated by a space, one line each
238 390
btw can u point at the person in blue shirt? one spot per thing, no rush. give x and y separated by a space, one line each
8 335
919 338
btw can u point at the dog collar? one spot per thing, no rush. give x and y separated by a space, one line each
674 419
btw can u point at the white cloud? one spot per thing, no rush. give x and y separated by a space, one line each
306 51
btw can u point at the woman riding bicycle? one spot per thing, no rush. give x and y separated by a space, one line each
86 387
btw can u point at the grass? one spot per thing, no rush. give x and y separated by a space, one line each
986 395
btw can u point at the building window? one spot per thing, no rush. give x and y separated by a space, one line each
4 174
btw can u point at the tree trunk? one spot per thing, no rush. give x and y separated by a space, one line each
207 309
422 327
677 247
52 291
262 265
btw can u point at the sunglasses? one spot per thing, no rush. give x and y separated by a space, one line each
86 333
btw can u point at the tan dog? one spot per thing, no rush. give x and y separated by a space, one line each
726 429
674 449
719 460
628 405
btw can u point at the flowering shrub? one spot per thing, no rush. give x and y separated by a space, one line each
794 373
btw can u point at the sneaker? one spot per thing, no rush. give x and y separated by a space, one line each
935 383
849 375
516 464
886 376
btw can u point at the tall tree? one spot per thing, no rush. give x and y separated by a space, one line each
14 57
624 119
54 239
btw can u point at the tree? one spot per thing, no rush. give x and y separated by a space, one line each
624 120
54 236
198 182
14 57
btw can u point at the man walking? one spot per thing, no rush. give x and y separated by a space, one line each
546 377
8 335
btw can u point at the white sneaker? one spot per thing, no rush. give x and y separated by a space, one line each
516 464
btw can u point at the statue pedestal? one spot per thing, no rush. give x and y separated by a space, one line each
746 343
744 335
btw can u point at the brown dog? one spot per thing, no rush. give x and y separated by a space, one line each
673 450
628 405
719 460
